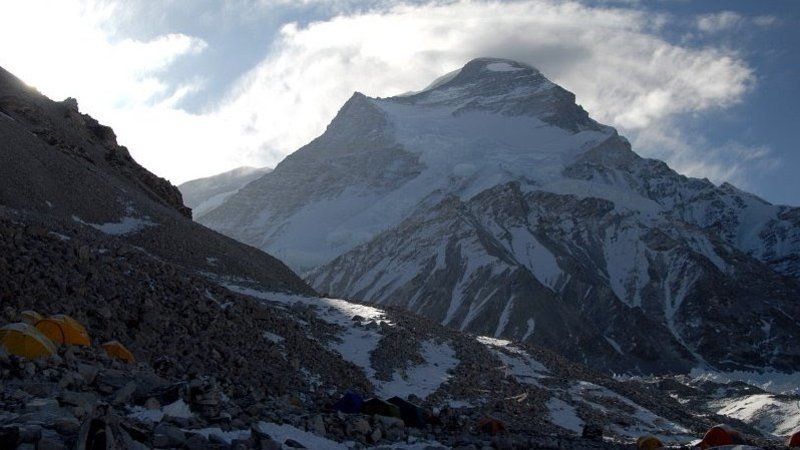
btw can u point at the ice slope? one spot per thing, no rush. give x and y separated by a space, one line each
462 136
204 194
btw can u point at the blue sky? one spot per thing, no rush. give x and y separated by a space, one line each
196 87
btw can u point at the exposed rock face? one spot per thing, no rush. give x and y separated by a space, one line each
79 135
492 203
64 165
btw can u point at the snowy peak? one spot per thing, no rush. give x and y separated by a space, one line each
492 203
481 72
507 87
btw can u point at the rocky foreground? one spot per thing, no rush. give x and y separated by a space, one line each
221 369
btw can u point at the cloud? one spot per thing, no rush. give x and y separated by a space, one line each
712 23
68 49
695 156
729 20
61 48
611 56
623 73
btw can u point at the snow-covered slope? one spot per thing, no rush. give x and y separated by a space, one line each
491 202
380 160
204 194
540 393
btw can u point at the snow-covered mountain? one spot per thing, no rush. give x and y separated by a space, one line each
204 194
492 203
233 350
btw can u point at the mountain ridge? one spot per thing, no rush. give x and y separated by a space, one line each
591 223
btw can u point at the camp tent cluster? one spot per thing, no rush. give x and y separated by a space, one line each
411 414
38 336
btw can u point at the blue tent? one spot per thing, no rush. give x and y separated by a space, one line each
350 403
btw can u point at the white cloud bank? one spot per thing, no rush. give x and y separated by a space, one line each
613 59
729 20
620 70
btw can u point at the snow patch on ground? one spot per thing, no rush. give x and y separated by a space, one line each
272 337
126 225
146 415
524 368
280 433
227 436
564 415
768 413
356 343
494 342
644 421
178 409
422 380
516 360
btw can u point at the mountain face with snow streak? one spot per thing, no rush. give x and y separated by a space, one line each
205 194
492 203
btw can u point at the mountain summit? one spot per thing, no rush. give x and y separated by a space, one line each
493 203
507 87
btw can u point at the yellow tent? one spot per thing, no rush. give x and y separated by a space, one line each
63 329
31 317
24 340
116 350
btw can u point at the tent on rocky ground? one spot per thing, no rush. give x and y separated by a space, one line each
116 350
24 340
376 406
412 415
63 329
648 443
350 403
794 439
30 317
491 426
720 435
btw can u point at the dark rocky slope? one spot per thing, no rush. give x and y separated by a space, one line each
64 165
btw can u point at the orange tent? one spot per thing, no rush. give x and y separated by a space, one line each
22 339
30 317
491 426
720 435
794 439
116 350
648 443
63 329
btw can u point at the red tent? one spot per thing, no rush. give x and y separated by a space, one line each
721 435
491 426
794 439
